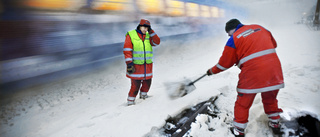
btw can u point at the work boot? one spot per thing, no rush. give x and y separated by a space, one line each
237 132
275 126
130 103
143 95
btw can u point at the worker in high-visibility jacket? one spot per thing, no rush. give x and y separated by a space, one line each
138 55
252 49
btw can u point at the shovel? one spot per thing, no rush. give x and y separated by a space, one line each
184 88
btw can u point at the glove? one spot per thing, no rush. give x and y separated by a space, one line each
130 68
209 72
149 29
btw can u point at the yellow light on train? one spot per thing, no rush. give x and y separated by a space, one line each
214 12
221 11
205 11
192 9
48 4
110 5
175 8
151 6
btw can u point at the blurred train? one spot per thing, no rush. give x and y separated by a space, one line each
45 40
190 8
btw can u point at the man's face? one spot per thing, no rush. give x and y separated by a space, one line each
230 33
143 29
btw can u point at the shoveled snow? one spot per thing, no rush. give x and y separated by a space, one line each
94 104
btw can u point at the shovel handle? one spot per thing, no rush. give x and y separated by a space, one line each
197 79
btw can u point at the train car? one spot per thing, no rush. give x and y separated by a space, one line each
175 8
49 4
112 5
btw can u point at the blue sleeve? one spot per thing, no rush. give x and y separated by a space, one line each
230 43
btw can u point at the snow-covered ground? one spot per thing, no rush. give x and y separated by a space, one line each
94 104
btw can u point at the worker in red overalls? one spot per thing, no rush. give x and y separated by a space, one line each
252 49
138 55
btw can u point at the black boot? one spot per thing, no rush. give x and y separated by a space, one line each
237 132
276 127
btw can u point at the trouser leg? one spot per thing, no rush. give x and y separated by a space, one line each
241 109
270 105
146 84
135 86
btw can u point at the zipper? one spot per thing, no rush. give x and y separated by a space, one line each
145 59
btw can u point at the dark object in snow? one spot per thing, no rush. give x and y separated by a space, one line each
178 126
311 124
304 126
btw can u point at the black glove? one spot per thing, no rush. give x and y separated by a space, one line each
209 72
130 68
149 29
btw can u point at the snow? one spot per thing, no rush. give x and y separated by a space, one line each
94 104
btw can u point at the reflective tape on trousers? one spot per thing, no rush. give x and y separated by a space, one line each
259 90
240 125
255 55
273 114
131 98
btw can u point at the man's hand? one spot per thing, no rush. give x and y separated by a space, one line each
130 68
149 29
209 72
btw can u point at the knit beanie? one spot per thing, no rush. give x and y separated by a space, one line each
232 24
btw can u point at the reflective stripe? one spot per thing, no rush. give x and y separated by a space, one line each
274 120
273 115
151 35
139 75
240 125
154 43
142 52
255 55
141 58
131 98
258 90
128 59
127 49
211 71
220 67
143 93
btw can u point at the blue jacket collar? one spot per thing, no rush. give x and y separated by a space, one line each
139 31
239 26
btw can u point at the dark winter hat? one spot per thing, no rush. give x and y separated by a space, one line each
144 22
232 24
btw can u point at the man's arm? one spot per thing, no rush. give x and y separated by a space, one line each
154 38
227 60
127 49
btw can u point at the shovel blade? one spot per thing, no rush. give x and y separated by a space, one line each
186 89
176 90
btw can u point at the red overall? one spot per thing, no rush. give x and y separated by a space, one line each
252 49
